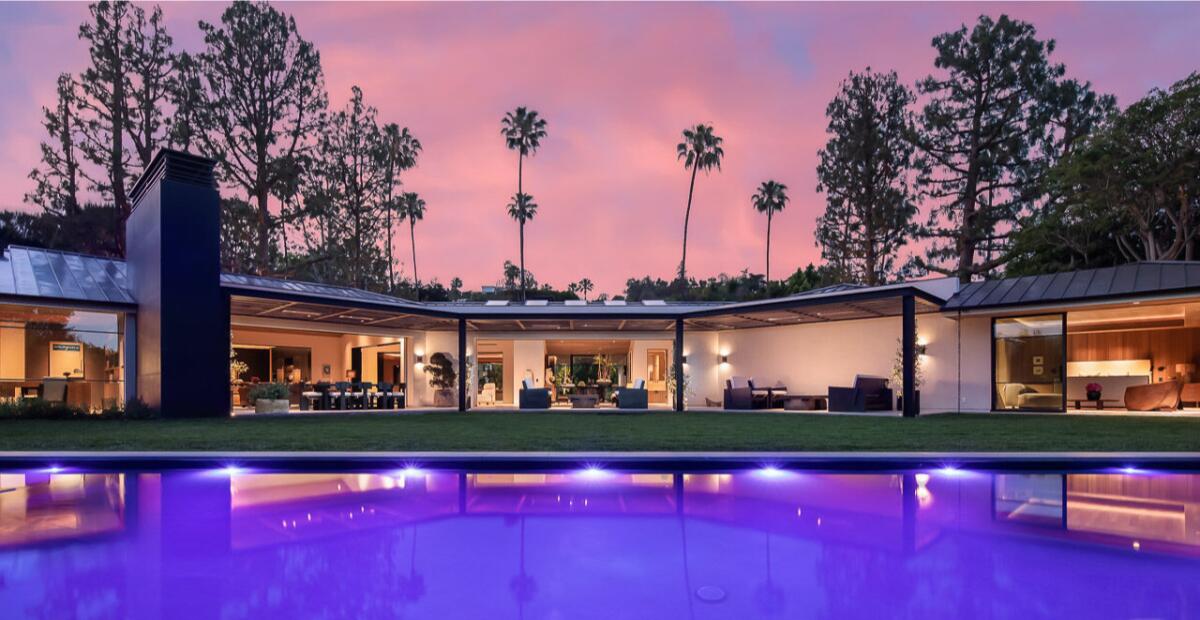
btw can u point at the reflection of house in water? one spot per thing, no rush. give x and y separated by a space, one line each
601 544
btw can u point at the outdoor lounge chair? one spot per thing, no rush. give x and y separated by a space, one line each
775 395
740 395
533 397
868 394
635 397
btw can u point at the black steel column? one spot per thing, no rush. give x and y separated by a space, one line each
909 344
462 364
678 362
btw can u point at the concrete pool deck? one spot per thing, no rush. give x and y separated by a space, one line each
622 461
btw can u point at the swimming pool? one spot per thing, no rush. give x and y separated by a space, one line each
595 543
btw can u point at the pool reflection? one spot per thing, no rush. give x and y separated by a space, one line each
578 545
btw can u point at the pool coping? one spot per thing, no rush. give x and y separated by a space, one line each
633 461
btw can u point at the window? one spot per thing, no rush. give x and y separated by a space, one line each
1028 363
41 348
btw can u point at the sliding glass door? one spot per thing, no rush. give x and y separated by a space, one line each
1029 363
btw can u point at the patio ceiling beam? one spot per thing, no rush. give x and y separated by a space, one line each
621 325
807 315
520 325
865 309
333 315
751 318
277 308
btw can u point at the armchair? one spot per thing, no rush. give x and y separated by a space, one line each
868 394
533 397
739 394
635 397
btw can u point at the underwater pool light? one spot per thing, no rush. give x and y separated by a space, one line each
593 472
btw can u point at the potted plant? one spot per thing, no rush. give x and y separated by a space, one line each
270 398
443 378
897 378
1093 391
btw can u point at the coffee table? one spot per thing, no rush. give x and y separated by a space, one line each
805 402
1098 402
584 401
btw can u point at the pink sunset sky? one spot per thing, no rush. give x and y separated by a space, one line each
617 83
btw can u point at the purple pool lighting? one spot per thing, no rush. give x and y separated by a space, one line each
598 543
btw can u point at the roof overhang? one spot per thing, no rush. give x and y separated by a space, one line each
870 303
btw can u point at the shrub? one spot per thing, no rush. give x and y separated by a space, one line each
269 391
441 371
38 409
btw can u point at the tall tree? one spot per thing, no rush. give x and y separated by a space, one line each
401 149
771 198
356 153
865 171
57 178
1141 171
412 208
985 115
700 150
523 132
104 102
150 65
522 209
260 104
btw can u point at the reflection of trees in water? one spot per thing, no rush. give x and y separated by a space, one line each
368 574
523 586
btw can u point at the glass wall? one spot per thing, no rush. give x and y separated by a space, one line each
62 355
1029 363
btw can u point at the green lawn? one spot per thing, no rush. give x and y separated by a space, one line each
559 431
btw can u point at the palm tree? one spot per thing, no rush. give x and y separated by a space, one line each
523 132
770 198
412 208
585 286
522 209
401 149
700 150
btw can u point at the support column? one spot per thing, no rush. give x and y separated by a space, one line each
678 362
462 364
129 349
909 345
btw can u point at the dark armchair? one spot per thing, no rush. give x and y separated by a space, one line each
740 394
533 398
868 394
635 397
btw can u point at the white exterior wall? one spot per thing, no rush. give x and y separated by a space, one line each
976 381
808 359
529 358
704 380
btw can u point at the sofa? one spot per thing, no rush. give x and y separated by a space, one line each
531 397
868 394
1021 396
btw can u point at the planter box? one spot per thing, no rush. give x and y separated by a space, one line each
264 405
445 397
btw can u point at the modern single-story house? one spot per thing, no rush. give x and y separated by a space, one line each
166 326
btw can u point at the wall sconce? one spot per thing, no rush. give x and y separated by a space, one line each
684 358
723 358
920 348
420 361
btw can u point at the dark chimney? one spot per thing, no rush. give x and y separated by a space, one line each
173 253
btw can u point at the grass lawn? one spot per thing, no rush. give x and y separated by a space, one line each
560 431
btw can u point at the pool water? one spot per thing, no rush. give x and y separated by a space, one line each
597 544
